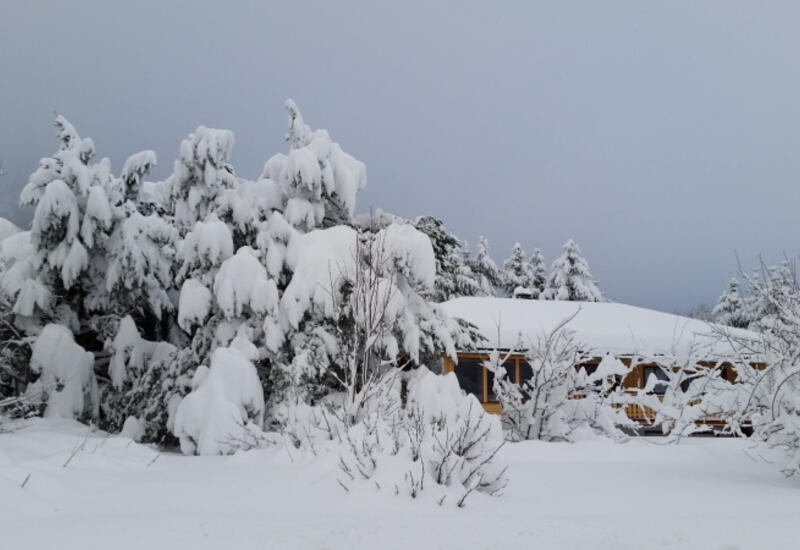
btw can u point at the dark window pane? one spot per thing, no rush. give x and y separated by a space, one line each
525 375
510 375
688 380
590 369
659 388
525 371
470 376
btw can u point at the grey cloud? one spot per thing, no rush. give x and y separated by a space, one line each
661 137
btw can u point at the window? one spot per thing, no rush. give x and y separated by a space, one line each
525 375
660 388
590 369
510 375
688 378
525 371
477 380
469 373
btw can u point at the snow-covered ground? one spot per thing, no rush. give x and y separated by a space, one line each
705 493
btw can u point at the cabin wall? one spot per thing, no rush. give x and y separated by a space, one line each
634 380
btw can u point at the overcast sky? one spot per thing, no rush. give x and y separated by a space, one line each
662 138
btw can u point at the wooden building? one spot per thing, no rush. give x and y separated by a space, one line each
640 338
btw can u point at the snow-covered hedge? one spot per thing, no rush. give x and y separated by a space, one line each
439 444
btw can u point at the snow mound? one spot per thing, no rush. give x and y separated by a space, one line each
242 282
194 304
440 397
66 373
317 260
208 244
412 252
226 407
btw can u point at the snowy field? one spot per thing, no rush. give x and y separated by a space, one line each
705 493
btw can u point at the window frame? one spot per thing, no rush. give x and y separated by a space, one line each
515 359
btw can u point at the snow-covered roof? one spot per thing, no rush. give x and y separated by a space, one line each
599 327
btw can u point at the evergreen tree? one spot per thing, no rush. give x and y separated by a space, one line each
570 278
538 271
15 354
97 253
484 268
516 272
730 308
321 180
771 292
454 278
200 175
96 256
145 283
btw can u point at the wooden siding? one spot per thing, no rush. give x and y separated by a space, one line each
633 380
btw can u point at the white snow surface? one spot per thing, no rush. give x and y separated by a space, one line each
704 494
317 260
17 273
225 405
601 327
210 241
194 304
242 281
411 250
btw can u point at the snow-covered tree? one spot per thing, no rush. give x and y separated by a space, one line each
93 256
96 256
772 389
684 392
222 260
570 278
554 398
730 309
319 179
15 269
354 306
141 376
200 175
444 439
454 278
538 270
775 287
484 268
516 273
15 353
72 212
167 295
